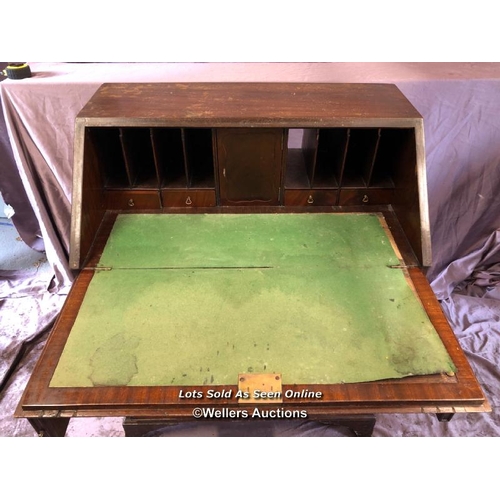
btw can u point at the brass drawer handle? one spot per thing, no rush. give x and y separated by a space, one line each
365 199
131 202
310 200
188 201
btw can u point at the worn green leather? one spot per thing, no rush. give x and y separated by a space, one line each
198 299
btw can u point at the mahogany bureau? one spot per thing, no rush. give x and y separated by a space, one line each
229 188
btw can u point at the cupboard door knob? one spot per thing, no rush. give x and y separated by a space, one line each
365 199
188 201
310 200
131 202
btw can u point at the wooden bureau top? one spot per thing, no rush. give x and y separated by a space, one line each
249 104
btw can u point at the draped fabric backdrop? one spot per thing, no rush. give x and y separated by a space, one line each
460 104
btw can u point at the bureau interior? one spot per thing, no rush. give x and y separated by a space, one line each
155 168
349 157
160 157
135 157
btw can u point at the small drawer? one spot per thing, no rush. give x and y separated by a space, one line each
374 196
310 197
188 198
132 199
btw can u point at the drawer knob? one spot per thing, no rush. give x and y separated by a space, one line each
131 202
365 199
188 201
310 200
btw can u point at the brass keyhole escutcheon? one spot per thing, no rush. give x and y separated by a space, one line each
310 200
188 201
131 202
365 199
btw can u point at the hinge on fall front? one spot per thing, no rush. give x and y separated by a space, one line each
260 388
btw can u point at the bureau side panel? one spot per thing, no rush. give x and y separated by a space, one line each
87 204
411 203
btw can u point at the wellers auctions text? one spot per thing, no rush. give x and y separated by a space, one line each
256 413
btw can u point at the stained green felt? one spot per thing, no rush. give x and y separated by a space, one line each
307 296
241 240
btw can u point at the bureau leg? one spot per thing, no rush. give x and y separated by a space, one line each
138 427
132 428
49 427
444 417
361 425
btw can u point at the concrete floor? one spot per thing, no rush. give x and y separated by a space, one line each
15 255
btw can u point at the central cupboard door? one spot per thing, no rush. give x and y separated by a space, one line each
250 165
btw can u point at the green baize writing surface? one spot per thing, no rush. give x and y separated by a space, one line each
196 299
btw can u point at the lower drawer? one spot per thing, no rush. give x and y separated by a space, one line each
132 199
188 198
373 196
310 197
